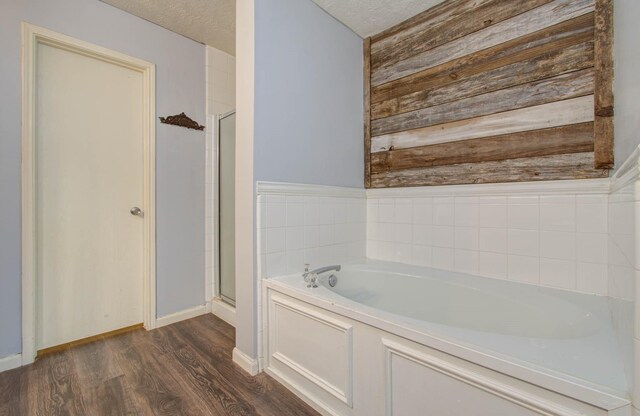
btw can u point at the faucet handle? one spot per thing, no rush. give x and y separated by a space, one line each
311 279
306 267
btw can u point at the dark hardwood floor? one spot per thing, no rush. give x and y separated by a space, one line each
180 369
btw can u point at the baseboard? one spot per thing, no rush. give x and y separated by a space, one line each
223 311
181 315
248 364
10 362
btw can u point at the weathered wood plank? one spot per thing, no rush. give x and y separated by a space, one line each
523 24
472 20
561 87
556 37
557 167
575 138
604 143
367 111
433 16
573 111
547 65
603 95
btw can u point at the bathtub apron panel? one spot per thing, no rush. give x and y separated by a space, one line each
342 366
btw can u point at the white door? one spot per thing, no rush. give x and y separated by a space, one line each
89 174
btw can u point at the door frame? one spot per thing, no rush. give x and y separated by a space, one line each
32 36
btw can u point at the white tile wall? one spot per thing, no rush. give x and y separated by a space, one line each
294 230
623 262
581 242
621 242
549 240
220 84
221 81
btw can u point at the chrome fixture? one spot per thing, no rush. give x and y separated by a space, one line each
136 211
332 280
311 277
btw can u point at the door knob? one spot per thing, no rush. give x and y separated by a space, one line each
136 211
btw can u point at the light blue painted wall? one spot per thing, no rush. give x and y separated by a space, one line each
308 113
180 152
308 96
626 86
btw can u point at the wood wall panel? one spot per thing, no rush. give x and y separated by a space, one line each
556 37
471 21
559 167
561 87
525 23
477 91
575 138
576 110
366 59
603 100
434 16
550 64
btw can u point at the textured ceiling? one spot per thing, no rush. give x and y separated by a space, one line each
368 17
212 22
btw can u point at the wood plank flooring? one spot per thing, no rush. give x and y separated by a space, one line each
180 369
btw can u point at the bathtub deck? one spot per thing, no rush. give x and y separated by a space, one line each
184 368
590 366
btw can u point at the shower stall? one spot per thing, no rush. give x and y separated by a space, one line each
226 275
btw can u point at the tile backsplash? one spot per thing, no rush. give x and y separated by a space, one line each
581 240
622 242
318 230
623 264
557 240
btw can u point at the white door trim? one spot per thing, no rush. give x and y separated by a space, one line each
31 37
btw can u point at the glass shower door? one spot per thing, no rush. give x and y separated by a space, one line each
226 198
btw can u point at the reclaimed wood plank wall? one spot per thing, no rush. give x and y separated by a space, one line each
482 91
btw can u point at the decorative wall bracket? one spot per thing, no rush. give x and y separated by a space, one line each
181 120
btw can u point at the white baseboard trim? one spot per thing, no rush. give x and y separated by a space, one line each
248 364
223 311
10 362
181 315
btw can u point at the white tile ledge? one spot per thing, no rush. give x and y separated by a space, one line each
299 189
579 186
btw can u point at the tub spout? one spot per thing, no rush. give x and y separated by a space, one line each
311 277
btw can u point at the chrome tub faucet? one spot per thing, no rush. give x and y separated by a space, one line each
311 277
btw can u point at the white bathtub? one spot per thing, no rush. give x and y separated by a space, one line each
531 349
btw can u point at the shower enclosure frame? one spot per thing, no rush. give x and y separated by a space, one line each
217 274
